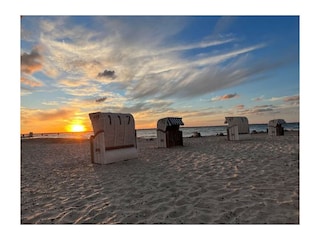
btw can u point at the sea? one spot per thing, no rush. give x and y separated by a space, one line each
152 133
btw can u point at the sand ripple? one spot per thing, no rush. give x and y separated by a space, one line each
209 180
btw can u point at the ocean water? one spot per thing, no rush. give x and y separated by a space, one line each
186 131
214 130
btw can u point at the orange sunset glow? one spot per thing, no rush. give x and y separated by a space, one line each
76 127
235 66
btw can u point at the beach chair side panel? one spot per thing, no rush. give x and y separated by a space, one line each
161 139
233 133
98 148
161 133
271 131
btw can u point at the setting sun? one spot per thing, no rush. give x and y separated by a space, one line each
76 128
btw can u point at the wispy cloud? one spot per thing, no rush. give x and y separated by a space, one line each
204 44
239 107
50 103
262 108
32 115
133 66
30 81
83 90
225 97
145 67
223 25
55 114
294 100
257 99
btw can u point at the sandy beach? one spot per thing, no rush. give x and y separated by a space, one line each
209 180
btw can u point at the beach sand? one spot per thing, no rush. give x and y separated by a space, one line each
209 180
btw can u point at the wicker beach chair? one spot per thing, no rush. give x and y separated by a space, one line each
114 137
168 134
238 128
275 127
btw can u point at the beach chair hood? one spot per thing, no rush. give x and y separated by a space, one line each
275 122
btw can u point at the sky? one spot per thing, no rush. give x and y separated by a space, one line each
200 68
256 62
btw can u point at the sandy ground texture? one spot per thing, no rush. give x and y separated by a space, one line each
209 180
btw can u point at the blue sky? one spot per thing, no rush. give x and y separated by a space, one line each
200 68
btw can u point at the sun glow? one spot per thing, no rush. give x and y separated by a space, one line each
76 128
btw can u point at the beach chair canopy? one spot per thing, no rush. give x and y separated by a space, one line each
118 128
241 122
275 122
164 123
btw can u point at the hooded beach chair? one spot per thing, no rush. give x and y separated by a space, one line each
114 137
168 134
238 128
275 127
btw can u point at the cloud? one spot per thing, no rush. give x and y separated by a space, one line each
102 99
204 44
84 90
224 97
255 110
29 81
72 82
107 74
145 66
294 99
257 99
32 115
47 120
262 109
240 106
31 62
212 60
55 114
50 103
177 77
259 109
223 25
25 91
207 75
80 87
142 65
274 99
150 107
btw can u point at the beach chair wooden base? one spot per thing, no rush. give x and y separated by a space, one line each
234 135
102 155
